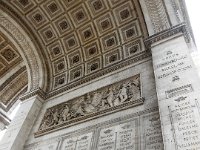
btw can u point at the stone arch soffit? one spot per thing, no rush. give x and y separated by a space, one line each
27 50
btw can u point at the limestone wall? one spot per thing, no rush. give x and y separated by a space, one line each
132 124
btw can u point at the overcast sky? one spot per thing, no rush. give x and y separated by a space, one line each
194 14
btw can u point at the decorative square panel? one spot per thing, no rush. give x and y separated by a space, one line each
91 50
1 39
110 41
48 34
59 66
104 24
70 42
53 8
39 1
76 73
75 58
133 48
60 80
71 3
87 33
24 5
114 3
2 66
97 7
55 50
79 15
125 13
130 31
93 65
63 25
112 57
9 54
37 18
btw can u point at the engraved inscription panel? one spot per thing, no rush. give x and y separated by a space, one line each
152 134
187 129
178 94
119 137
82 142
48 146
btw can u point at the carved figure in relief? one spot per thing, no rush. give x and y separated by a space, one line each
44 125
65 113
123 93
55 117
77 109
116 101
48 119
93 102
110 97
88 106
133 89
97 98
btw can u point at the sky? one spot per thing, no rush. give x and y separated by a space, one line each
194 14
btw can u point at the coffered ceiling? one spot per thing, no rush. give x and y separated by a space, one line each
9 56
13 75
81 39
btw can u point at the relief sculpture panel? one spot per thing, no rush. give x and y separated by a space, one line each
121 95
137 131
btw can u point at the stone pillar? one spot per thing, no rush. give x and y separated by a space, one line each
20 127
178 90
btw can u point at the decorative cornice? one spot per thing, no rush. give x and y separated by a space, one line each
181 28
6 108
141 56
12 77
4 119
44 95
38 92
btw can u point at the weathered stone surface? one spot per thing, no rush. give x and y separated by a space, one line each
178 88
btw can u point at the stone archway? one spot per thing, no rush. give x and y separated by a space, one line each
27 50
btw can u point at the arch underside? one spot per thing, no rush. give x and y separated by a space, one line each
66 44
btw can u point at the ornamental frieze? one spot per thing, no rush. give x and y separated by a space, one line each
109 99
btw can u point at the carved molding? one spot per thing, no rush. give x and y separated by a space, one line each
107 100
12 77
92 128
4 119
37 92
181 28
27 50
158 15
138 58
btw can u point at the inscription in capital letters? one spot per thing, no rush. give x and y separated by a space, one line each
119 137
172 64
82 142
152 133
69 144
126 137
186 125
107 139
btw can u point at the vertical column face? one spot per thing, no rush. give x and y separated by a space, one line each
18 130
155 14
178 93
